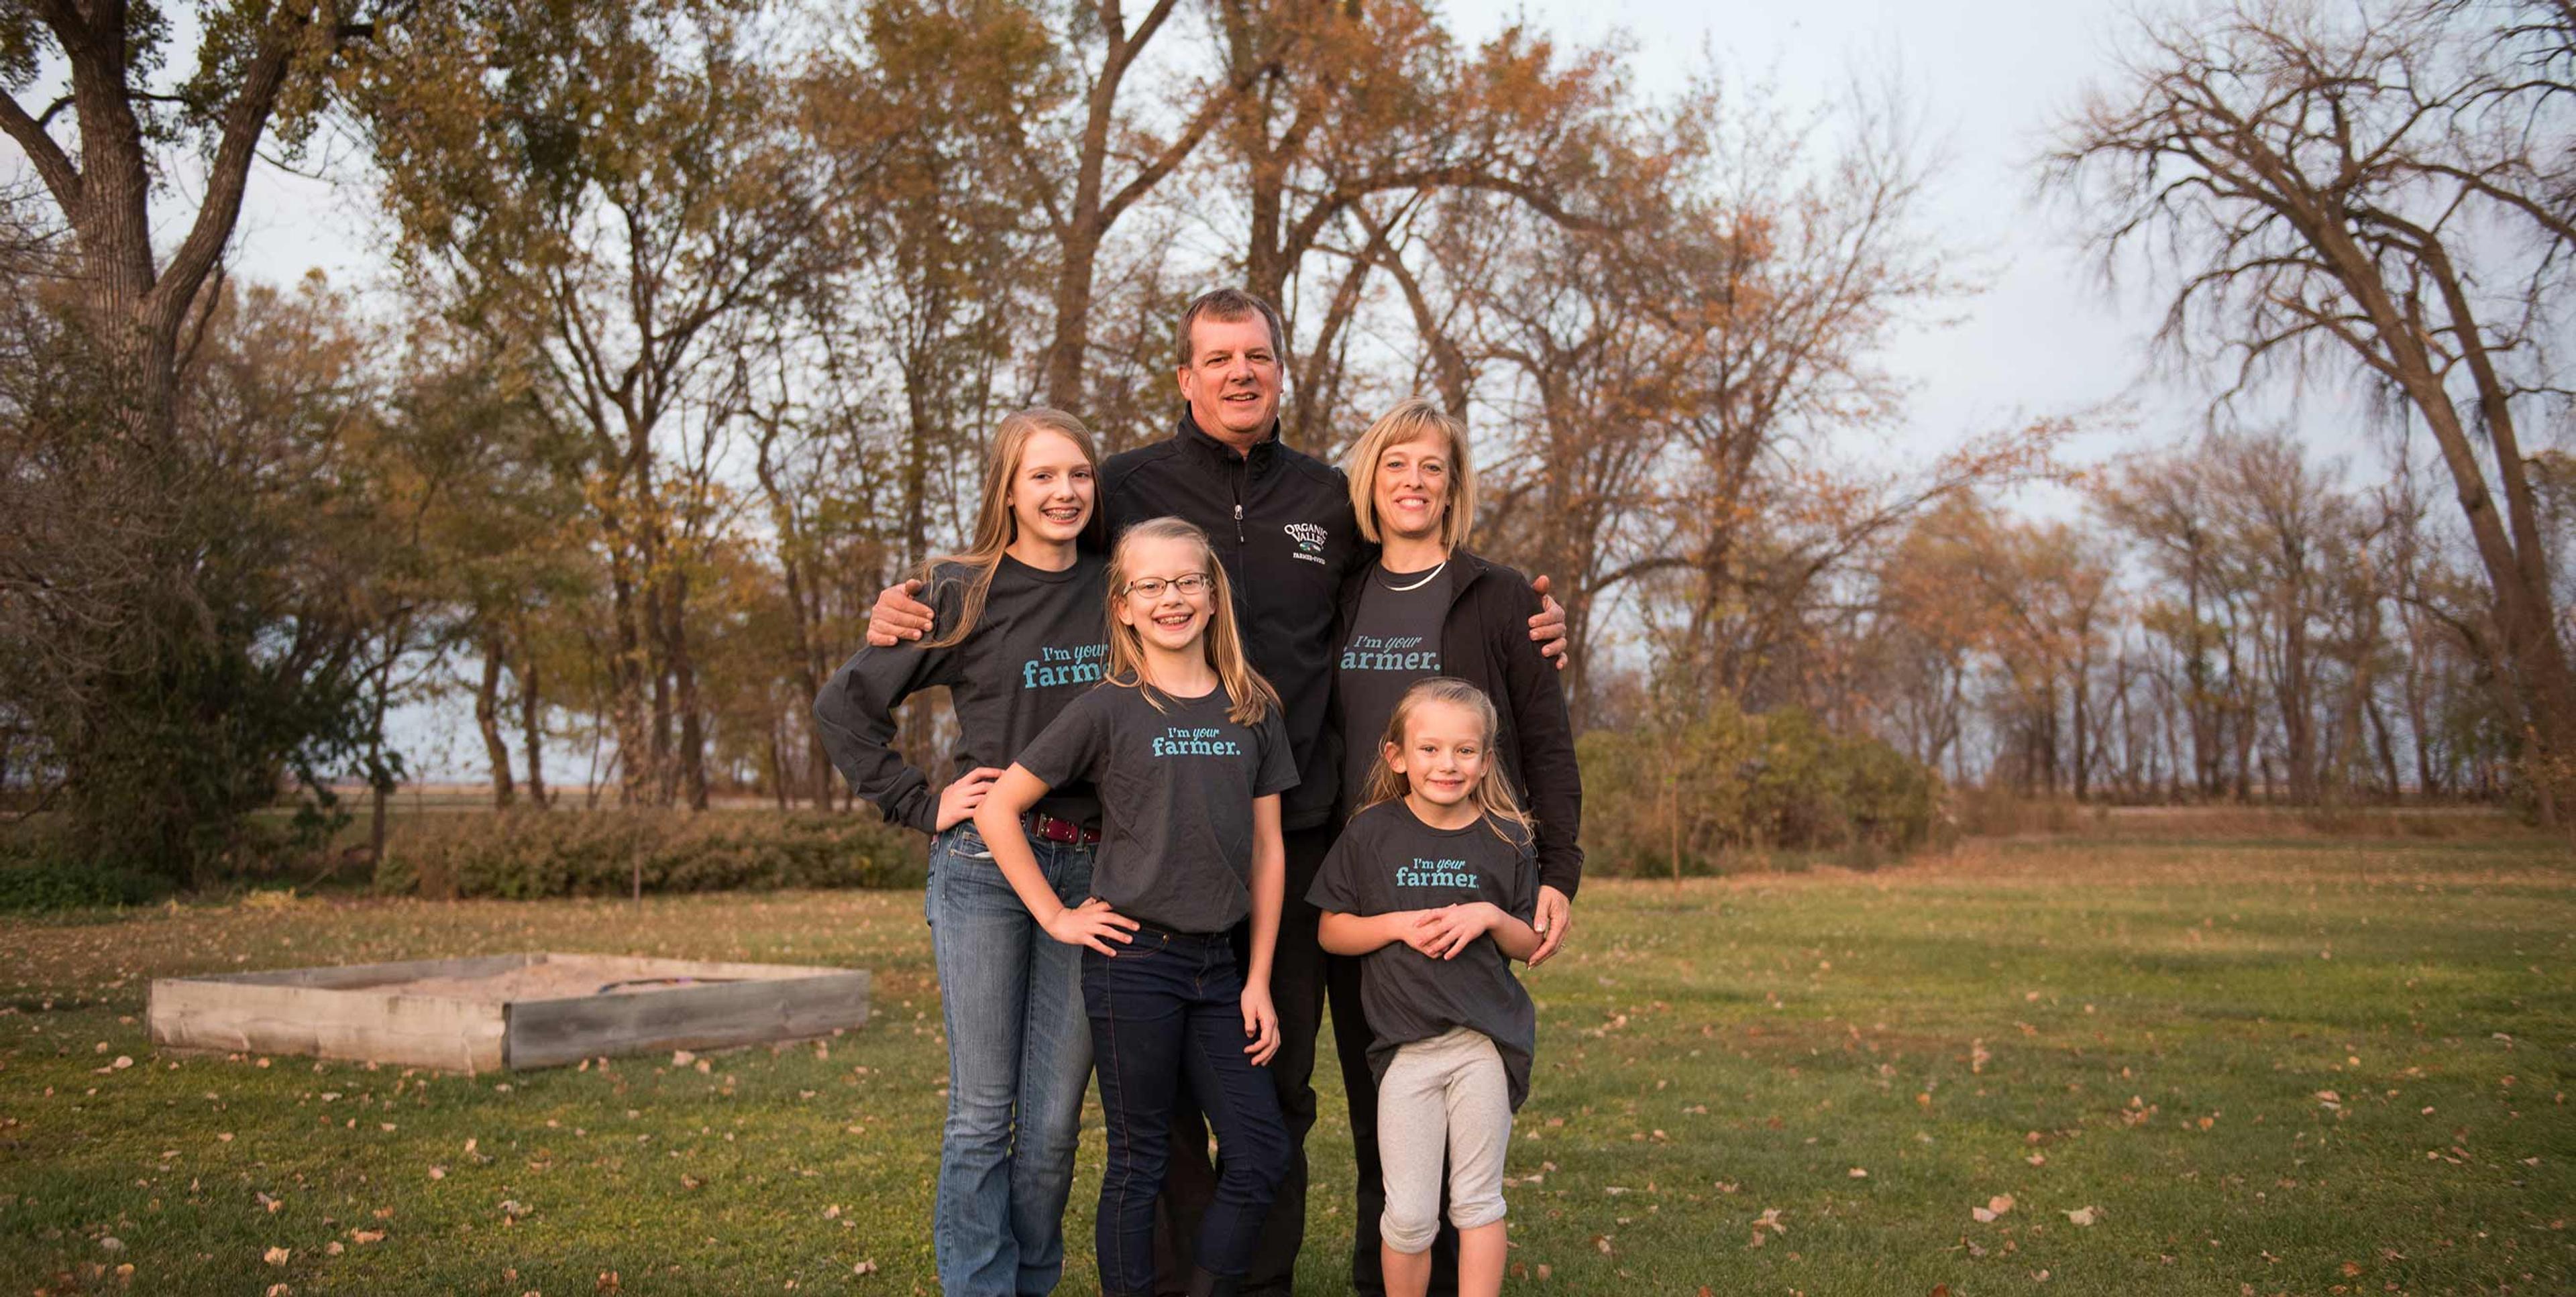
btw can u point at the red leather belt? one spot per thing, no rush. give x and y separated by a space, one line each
1055 830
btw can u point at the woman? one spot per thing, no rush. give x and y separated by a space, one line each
1018 636
1429 607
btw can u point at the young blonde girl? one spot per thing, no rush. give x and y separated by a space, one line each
1187 748
1434 884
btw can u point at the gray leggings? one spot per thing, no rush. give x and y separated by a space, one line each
1446 1093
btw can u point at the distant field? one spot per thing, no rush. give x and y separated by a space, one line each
2257 1056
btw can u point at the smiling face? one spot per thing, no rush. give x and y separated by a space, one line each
1411 491
1171 617
1051 491
1232 380
1444 751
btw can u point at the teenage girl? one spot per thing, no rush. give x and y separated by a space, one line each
1435 883
1187 748
1018 637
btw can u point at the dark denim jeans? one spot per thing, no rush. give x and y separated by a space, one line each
1297 991
1018 1058
1169 1009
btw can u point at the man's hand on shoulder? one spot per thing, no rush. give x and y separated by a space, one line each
1548 627
898 616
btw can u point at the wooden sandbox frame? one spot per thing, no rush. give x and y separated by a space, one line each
362 1012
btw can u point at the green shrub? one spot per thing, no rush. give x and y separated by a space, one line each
529 854
1683 799
37 877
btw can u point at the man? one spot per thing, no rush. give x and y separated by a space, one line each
1282 524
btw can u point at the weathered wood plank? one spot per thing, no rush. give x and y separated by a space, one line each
362 1011
418 1031
546 1033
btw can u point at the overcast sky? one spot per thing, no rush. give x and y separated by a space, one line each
1990 78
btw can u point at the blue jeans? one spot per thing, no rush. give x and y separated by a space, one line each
1169 1009
1018 1057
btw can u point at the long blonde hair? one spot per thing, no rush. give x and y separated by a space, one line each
1251 696
1411 418
1493 793
995 525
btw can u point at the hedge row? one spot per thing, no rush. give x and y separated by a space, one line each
38 881
526 855
1728 784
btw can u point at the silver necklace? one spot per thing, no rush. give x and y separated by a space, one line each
1418 584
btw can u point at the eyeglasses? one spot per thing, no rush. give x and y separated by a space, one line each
1152 587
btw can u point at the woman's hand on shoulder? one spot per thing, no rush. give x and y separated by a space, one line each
1092 924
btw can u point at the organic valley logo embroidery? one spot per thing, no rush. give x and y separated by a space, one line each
1310 540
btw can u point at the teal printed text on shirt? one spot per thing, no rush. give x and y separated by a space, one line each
1200 741
1389 653
1078 665
1435 873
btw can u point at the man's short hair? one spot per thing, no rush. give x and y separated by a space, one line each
1231 305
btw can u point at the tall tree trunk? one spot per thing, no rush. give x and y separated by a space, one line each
692 771
532 728
487 718
2387 753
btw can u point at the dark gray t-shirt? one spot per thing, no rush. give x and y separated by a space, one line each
1387 861
1176 787
1394 640
1039 645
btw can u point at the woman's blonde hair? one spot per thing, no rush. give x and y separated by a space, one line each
1251 696
995 525
1410 418
1492 793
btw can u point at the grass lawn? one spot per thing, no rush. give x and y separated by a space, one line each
2259 1065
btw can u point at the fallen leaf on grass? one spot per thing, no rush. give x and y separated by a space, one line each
276 1255
363 1237
2082 1215
1858 1173
864 1267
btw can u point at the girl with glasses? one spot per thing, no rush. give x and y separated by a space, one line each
1188 751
